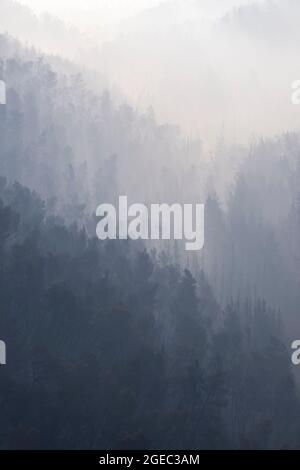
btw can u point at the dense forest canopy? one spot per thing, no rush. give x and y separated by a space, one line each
124 344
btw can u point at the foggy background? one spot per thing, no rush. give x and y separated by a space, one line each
210 60
129 345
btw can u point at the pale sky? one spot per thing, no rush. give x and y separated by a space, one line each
87 13
90 13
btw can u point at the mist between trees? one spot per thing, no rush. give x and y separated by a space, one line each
140 344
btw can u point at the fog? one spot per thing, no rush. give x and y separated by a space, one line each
97 13
227 78
166 109
135 343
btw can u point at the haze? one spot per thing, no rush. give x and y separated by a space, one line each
93 13
206 66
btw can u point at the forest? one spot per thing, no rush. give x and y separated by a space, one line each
123 344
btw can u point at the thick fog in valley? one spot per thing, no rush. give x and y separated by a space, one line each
124 344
